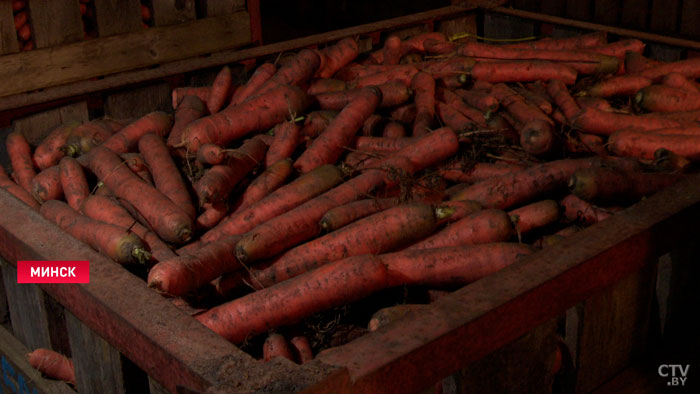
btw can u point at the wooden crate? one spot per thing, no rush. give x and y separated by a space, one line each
594 291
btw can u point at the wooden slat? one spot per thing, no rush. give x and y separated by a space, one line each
553 7
615 328
529 5
43 68
461 25
634 14
579 9
499 26
689 18
117 16
170 12
36 127
664 16
97 364
138 102
20 377
55 22
8 35
222 7
606 12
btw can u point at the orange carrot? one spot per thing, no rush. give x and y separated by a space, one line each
52 364
185 273
452 66
586 144
327 147
297 71
482 100
392 50
302 222
46 185
577 210
219 90
403 73
678 81
633 143
48 153
394 130
405 114
338 56
635 62
212 215
451 265
20 19
278 202
523 71
453 211
457 103
18 5
25 32
218 182
114 242
316 122
127 138
16 190
89 135
179 94
424 87
211 154
302 348
325 85
264 72
73 182
287 139
576 42
352 211
485 226
689 68
20 154
270 180
535 215
619 49
594 121
608 185
190 109
386 316
166 176
288 302
463 172
381 144
452 118
625 85
416 43
234 122
536 96
559 92
393 94
662 98
169 221
439 47
276 346
596 102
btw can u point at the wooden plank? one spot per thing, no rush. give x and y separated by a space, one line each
28 313
220 58
117 16
456 26
634 15
36 127
97 364
664 16
18 375
553 7
222 7
606 12
615 327
102 56
579 9
689 19
529 5
8 34
137 102
55 22
499 26
170 12
681 331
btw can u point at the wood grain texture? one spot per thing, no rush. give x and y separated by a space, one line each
39 69
170 12
634 14
606 12
664 16
579 9
689 19
222 7
117 16
36 127
452 27
499 26
8 34
55 22
137 102
553 7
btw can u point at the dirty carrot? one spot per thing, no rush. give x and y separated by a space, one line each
296 72
315 123
89 135
608 185
201 92
325 85
302 349
352 211
523 71
394 130
581 41
46 185
49 152
594 121
276 345
452 118
678 81
20 154
264 72
386 316
403 73
16 190
52 364
73 182
453 211
662 98
338 56
457 103
405 114
535 215
424 87
126 139
392 50
580 211
481 100
485 226
274 176
393 94
212 215
220 90
463 172
416 43
190 109
287 139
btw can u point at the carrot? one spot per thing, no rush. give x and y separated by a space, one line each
52 364
424 87
302 349
490 225
89 135
535 215
263 73
48 153
403 73
594 121
636 62
327 147
609 185
381 144
46 185
234 122
558 91
352 211
20 19
523 71
625 85
678 81
457 103
201 92
127 138
211 154
278 202
619 49
580 211
190 109
386 316
392 50
451 265
276 346
325 85
25 32
537 97
338 56
316 122
393 94
439 47
453 211
519 187
482 100
586 144
452 118
576 42
18 5
302 222
393 130
684 117
73 182
20 154
595 102
270 180
169 221
452 66
185 273
354 71
218 182
288 302
297 71
463 172
405 114
212 215
112 241
661 98
287 139
219 90
16 190
417 42
689 68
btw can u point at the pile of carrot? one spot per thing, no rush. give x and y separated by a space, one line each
335 175
22 25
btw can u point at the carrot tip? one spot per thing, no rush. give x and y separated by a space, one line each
444 212
141 255
241 254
